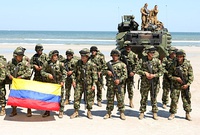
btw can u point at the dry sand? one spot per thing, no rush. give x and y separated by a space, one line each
21 124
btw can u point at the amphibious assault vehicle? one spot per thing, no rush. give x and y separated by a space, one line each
153 35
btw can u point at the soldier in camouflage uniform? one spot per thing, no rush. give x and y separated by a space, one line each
167 84
115 86
84 78
54 71
130 59
69 63
99 59
150 69
18 68
37 62
181 73
2 85
25 58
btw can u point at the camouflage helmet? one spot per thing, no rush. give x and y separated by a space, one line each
150 48
22 48
93 48
70 52
39 47
115 51
19 52
127 43
172 50
180 52
85 52
51 53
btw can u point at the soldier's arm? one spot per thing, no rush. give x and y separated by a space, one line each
160 69
190 75
94 74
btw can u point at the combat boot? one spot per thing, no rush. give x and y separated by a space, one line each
89 114
74 115
188 117
131 103
3 111
66 102
108 115
141 116
60 115
14 111
171 117
155 116
164 106
46 114
29 113
122 116
99 104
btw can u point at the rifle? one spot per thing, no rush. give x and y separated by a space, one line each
180 74
83 74
16 70
110 67
149 66
67 69
53 72
100 79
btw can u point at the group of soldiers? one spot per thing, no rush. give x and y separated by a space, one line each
87 73
149 18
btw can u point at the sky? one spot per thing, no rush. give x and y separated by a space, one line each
94 15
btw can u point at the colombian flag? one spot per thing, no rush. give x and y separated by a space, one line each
35 95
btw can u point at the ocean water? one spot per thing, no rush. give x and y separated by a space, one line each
84 37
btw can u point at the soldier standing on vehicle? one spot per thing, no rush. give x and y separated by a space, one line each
130 59
18 68
181 73
154 18
2 85
83 80
150 69
37 62
54 72
116 74
167 83
144 16
69 64
99 59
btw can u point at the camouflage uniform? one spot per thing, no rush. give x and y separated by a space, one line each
25 58
56 69
38 60
145 86
130 59
99 60
2 85
112 88
85 74
167 84
185 68
69 66
18 69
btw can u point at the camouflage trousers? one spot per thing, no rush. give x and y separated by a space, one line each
129 86
99 91
144 91
174 100
111 92
62 100
166 91
78 92
68 86
2 96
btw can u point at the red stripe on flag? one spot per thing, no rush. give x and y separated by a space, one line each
33 104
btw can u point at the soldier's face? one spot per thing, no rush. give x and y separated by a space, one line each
115 57
19 58
180 58
94 53
69 57
128 48
151 54
84 58
39 52
54 57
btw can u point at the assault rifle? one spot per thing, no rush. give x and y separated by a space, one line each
149 66
180 74
110 67
16 70
67 69
83 74
53 72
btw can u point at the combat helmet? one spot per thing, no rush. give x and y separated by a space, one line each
115 51
18 51
172 50
85 52
93 48
51 53
70 52
180 52
150 49
127 43
22 48
39 47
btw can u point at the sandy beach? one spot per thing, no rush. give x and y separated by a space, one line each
21 124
